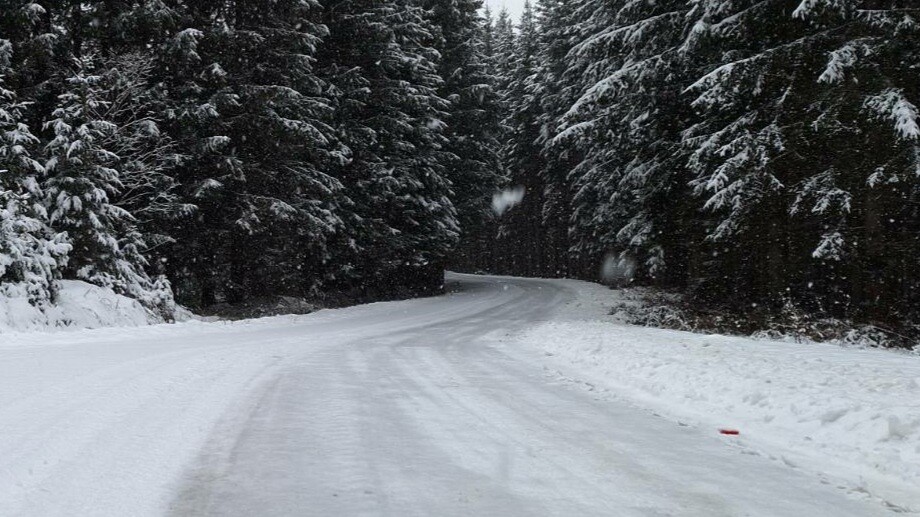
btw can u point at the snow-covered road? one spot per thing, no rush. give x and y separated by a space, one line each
406 408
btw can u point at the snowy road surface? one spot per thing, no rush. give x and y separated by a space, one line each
407 408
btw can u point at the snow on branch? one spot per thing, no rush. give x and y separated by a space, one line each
810 7
893 106
842 60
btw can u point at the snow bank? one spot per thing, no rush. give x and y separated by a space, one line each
847 414
80 306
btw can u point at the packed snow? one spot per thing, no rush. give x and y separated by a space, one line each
505 397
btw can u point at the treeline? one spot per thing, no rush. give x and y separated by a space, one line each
748 151
228 149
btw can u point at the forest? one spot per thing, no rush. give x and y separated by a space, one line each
753 155
223 150
747 153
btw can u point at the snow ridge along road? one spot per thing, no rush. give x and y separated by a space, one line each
430 407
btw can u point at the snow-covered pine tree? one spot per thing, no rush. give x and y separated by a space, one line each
25 25
504 64
250 114
289 207
382 66
195 91
861 141
82 180
132 41
488 38
473 122
31 255
498 51
522 232
750 54
504 50
132 26
625 128
555 85
802 116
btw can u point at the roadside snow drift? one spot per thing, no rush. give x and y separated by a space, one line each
850 413
80 306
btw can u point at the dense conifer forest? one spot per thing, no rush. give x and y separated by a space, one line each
745 152
231 149
748 153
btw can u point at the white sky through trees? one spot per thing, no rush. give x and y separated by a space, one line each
515 7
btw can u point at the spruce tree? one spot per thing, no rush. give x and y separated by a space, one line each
31 255
196 92
487 38
625 126
555 86
522 228
504 52
801 118
862 145
82 181
743 115
250 115
380 61
473 121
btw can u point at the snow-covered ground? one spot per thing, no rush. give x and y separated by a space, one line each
850 416
447 406
79 306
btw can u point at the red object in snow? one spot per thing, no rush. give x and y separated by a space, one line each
731 432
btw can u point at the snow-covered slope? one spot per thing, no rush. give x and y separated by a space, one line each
850 415
80 306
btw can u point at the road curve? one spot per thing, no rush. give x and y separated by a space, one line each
438 420
416 408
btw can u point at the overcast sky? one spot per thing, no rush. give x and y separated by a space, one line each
514 6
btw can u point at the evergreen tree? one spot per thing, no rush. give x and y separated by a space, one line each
487 38
854 205
193 121
82 181
252 121
503 56
24 26
626 127
555 86
522 229
473 123
504 64
382 67
31 255
774 106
